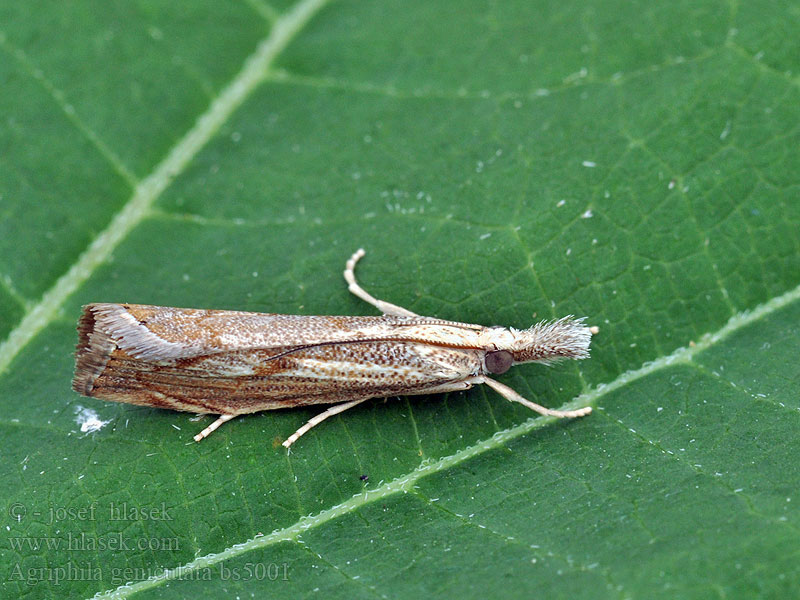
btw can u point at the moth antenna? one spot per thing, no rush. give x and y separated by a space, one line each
386 308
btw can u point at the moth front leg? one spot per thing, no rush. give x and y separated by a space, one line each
386 308
509 394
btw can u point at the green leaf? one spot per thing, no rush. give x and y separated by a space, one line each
501 163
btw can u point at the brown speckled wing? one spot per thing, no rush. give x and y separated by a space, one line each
230 362
158 332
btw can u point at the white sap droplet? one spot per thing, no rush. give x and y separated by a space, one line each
89 420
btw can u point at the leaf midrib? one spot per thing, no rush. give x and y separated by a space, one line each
254 70
405 483
138 207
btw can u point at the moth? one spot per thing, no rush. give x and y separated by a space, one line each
230 363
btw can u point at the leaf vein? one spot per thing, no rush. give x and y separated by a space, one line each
405 483
148 190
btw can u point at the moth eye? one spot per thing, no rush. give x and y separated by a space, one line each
498 362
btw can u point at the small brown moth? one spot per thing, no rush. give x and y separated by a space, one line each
231 363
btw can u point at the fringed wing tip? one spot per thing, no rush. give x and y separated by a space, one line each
91 353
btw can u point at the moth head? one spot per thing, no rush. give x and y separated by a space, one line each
545 342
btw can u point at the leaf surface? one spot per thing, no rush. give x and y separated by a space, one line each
501 164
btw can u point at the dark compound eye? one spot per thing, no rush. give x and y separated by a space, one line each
498 362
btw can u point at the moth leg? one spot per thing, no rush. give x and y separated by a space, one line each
509 394
213 427
333 410
386 308
454 386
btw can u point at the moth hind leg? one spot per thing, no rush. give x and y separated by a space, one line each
213 427
455 386
386 308
314 421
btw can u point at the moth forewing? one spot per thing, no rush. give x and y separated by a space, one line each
339 365
231 363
